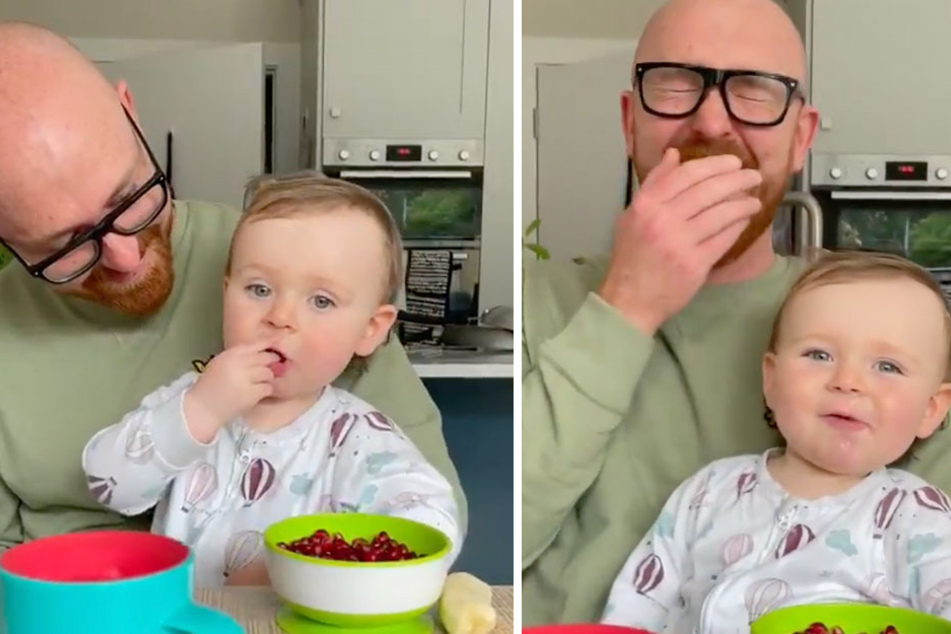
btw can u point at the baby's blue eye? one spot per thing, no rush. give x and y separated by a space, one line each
257 290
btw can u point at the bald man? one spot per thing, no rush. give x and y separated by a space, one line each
117 290
641 367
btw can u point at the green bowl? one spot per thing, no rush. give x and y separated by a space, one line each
853 618
357 594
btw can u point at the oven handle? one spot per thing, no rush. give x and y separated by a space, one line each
466 174
888 195
809 203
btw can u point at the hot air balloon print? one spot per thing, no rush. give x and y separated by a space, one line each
102 488
201 483
938 597
735 549
745 484
798 536
242 548
764 595
933 498
886 509
648 574
257 479
339 430
377 420
139 447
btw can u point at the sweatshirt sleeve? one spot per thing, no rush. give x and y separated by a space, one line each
649 584
576 389
380 471
129 465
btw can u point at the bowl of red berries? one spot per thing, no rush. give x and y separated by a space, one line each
355 570
848 618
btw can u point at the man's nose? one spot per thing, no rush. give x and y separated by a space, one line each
712 119
120 253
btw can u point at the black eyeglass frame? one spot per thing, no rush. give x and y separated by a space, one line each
106 225
715 77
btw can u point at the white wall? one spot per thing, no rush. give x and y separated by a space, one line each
549 50
287 89
217 20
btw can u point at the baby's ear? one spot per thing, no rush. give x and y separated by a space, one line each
769 364
378 327
937 411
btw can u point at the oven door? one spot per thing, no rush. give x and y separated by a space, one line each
915 224
428 205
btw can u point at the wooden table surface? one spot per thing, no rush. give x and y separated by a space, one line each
255 608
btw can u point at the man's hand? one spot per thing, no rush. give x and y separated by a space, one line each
682 220
233 382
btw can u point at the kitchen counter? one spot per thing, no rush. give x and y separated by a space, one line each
436 363
254 608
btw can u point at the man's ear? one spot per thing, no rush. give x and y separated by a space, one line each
378 327
806 126
125 98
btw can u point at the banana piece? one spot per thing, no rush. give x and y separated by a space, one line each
465 606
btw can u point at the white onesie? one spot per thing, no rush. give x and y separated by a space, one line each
341 455
732 545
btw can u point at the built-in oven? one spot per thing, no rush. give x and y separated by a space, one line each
433 189
899 204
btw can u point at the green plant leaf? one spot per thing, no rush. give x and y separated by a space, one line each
540 252
532 227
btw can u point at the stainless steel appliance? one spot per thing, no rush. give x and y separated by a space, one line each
434 191
888 203
880 163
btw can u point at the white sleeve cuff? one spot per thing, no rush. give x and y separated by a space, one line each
174 444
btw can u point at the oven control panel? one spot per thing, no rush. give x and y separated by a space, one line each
857 170
402 153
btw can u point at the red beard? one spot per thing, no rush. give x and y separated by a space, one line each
147 294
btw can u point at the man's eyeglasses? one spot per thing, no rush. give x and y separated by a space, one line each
676 91
131 216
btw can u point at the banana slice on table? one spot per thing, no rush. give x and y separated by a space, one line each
465 606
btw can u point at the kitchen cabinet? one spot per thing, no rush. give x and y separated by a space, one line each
403 69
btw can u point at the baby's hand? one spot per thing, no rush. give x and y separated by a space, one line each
233 382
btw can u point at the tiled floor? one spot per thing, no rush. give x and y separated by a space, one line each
478 425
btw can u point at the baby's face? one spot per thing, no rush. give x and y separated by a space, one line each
858 373
312 284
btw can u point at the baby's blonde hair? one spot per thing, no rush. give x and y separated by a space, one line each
309 192
842 267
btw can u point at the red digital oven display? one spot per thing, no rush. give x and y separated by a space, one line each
906 171
404 153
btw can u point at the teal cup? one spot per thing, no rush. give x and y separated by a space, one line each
103 582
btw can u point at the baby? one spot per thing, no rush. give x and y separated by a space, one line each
856 372
259 433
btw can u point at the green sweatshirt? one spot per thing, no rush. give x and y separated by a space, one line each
69 368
